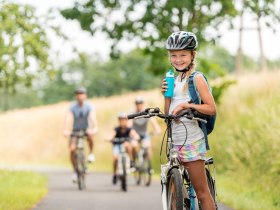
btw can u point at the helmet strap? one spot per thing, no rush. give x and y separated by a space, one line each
185 70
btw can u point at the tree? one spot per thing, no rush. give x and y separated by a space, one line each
150 22
23 48
263 10
101 79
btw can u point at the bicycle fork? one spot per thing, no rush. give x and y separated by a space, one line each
164 169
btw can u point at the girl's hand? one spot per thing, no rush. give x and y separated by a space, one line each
164 86
180 108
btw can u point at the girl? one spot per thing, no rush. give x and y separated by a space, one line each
181 48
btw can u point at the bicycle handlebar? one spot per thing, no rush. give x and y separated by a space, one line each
152 112
145 112
120 140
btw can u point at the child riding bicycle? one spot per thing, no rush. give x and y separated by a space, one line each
141 125
122 131
181 48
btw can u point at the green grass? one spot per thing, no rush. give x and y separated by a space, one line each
241 194
21 190
246 142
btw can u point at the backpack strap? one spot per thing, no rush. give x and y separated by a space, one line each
195 98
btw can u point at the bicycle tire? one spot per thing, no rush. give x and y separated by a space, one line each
81 170
137 172
175 199
123 177
147 172
212 187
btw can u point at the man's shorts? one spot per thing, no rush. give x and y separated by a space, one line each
145 140
73 138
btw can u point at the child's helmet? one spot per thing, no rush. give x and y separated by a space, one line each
139 100
122 115
181 40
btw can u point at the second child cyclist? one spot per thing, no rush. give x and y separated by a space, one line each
141 125
181 48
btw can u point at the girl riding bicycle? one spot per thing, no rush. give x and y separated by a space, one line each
181 48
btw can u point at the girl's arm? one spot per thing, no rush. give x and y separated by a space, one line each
208 107
167 102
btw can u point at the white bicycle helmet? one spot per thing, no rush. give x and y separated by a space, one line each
181 40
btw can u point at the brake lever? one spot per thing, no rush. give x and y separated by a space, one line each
199 119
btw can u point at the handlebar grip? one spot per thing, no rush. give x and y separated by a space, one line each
186 112
200 115
131 116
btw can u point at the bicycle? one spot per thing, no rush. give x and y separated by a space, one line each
177 190
123 162
80 161
143 165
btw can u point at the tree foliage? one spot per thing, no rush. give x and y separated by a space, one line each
24 46
101 79
264 9
150 22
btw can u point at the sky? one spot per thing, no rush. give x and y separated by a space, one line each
99 45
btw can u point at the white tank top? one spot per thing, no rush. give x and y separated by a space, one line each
178 129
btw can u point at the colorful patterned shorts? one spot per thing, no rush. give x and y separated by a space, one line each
192 152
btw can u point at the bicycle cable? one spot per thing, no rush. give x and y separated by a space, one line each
168 125
163 142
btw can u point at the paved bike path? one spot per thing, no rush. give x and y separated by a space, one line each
99 195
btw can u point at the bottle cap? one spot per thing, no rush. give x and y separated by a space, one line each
170 73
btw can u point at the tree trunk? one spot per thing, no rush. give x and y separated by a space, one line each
262 57
238 61
6 98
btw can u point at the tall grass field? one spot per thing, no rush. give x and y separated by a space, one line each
245 142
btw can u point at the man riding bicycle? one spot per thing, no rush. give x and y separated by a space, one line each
141 125
83 115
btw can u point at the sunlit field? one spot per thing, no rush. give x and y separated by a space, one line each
34 136
245 142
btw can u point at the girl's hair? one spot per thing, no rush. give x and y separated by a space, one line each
188 73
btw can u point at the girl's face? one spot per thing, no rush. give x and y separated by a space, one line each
180 59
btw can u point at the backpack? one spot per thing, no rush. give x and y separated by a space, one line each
208 127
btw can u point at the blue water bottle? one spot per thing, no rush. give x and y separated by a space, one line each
170 84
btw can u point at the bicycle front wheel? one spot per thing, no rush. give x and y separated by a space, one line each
123 177
175 199
81 170
146 173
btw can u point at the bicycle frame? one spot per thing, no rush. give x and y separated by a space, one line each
80 159
173 160
123 154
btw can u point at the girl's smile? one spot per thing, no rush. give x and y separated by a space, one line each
180 59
